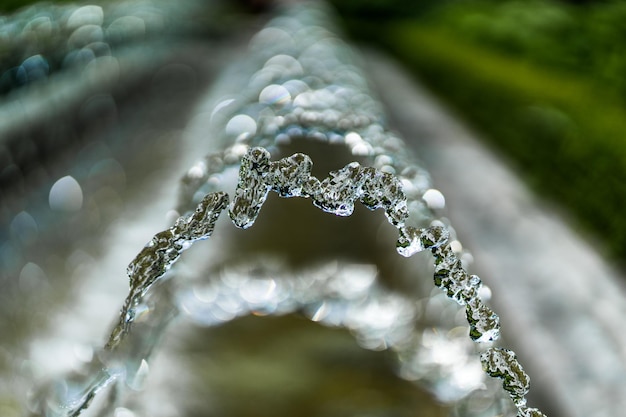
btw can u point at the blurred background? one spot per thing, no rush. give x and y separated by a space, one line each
98 111
544 81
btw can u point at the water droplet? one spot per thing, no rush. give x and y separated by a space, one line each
83 352
24 227
66 195
84 35
32 69
434 199
485 293
295 87
275 95
409 242
31 277
258 291
241 124
353 138
221 105
126 28
86 15
269 38
321 312
289 66
199 170
123 412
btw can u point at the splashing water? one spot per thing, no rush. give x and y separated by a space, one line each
308 87
161 252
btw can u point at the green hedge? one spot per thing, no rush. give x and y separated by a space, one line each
567 137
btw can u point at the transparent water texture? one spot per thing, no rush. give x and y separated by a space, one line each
301 85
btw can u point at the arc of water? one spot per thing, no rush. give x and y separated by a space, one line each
291 177
161 253
333 105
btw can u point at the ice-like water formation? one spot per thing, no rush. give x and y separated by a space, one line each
502 363
160 254
337 193
309 87
290 177
252 188
484 323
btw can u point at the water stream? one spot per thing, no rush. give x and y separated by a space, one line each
294 118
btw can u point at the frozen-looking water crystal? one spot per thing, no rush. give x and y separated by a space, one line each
384 190
457 284
450 276
502 363
252 188
409 241
162 251
434 237
339 190
201 223
310 88
484 323
445 260
337 193
288 176
524 411
413 240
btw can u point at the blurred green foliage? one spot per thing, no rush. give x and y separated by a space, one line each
546 83
567 137
588 40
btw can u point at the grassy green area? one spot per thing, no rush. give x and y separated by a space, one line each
567 136
587 40
539 79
